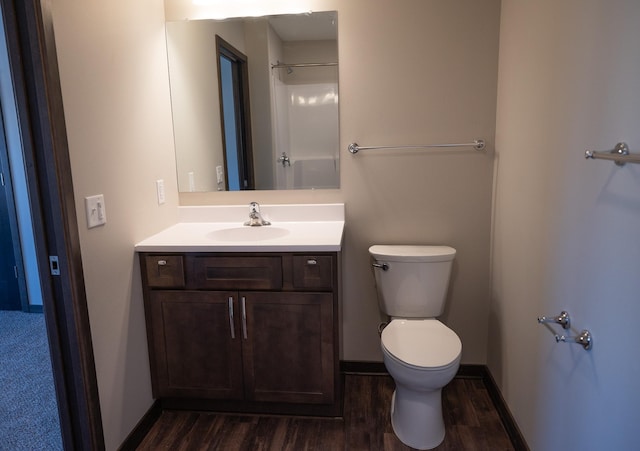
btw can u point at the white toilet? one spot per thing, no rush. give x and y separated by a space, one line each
420 353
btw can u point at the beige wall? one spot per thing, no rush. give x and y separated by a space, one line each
258 35
113 67
566 228
411 71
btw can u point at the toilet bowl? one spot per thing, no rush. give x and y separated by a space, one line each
422 356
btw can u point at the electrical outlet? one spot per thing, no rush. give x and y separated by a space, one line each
160 191
96 210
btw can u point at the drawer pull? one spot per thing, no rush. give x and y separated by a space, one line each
231 326
244 318
161 263
312 261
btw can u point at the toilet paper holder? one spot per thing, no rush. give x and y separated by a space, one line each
562 319
585 339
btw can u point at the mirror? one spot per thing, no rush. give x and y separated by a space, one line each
277 124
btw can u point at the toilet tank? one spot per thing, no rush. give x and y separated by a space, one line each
415 282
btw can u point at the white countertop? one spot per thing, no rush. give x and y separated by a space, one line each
294 228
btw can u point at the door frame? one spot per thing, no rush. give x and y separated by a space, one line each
34 69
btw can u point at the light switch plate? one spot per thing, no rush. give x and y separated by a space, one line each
192 181
219 174
160 191
96 211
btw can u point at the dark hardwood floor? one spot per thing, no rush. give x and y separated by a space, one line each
471 420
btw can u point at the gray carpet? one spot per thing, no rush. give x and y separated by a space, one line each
28 410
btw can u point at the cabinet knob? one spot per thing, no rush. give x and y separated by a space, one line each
312 261
162 263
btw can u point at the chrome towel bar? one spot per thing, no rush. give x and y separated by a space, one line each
619 154
289 65
477 144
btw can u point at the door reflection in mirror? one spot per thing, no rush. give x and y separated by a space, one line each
234 105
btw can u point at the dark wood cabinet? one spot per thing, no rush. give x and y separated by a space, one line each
195 352
288 353
242 332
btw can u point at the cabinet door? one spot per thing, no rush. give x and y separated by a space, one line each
197 344
288 352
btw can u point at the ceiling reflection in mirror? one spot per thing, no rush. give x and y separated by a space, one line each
277 124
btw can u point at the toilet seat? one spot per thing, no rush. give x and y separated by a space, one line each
422 344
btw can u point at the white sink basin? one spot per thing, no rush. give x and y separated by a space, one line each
246 233
218 228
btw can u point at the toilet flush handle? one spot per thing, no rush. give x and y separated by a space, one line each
384 266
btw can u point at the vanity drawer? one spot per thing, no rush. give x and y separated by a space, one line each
312 272
235 273
165 271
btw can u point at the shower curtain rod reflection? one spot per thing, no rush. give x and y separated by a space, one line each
287 65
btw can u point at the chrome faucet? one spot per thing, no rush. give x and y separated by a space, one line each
255 218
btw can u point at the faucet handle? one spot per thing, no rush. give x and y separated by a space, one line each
255 218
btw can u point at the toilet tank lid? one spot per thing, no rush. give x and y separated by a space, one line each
412 253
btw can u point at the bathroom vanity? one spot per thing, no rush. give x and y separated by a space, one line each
245 318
